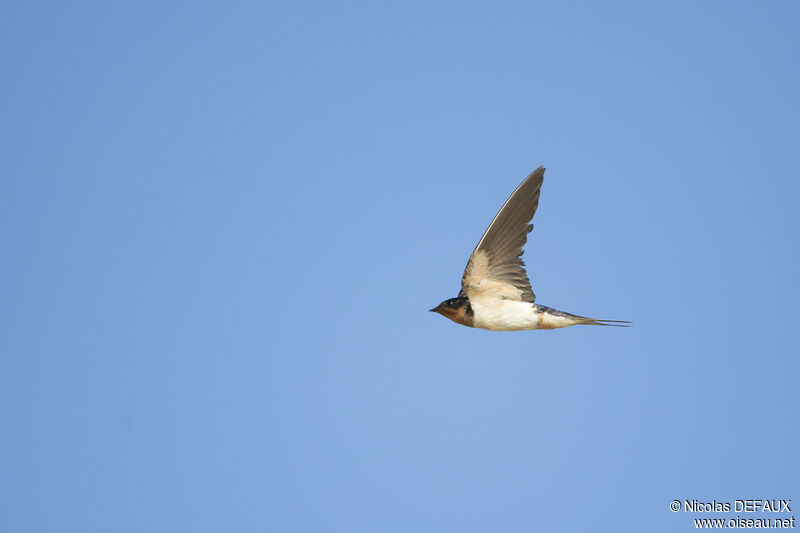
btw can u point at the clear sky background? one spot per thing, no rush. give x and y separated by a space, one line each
223 224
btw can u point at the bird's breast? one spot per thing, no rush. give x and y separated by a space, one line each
505 315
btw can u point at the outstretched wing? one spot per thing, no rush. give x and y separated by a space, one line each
495 268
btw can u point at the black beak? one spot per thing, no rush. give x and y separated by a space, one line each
435 309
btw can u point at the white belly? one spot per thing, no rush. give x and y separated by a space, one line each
505 315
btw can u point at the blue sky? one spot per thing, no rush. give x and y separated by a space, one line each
223 225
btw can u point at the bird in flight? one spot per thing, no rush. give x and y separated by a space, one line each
495 291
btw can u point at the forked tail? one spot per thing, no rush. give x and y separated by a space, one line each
553 318
604 322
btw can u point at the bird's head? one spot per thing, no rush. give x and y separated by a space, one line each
456 309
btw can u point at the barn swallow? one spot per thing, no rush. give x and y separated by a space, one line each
495 291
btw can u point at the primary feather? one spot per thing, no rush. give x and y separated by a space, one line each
495 267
